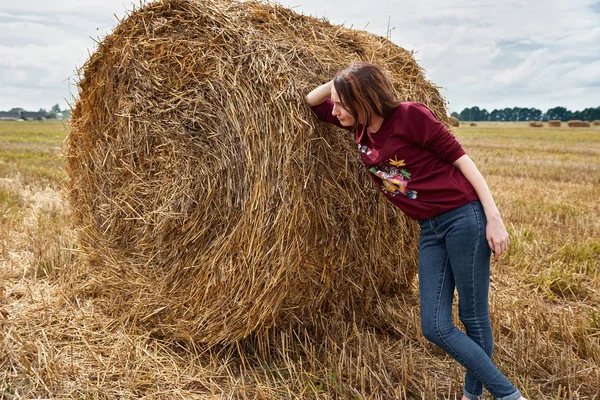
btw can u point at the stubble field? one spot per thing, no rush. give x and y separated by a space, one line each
57 341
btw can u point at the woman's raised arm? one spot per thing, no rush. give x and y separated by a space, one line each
319 94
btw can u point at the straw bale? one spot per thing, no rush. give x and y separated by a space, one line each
554 123
454 122
596 122
536 124
472 124
575 123
210 203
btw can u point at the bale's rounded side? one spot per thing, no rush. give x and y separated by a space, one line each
209 200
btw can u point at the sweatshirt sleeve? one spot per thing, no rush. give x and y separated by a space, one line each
425 130
323 112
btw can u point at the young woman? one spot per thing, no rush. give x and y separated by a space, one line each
421 168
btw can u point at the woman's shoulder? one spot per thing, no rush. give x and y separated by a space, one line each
407 109
415 109
412 106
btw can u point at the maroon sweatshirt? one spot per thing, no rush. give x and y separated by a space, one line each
410 160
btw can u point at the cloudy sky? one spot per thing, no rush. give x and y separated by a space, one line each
489 53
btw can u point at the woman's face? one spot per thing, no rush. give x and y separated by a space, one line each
339 111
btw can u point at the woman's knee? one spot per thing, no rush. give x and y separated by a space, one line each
433 331
476 322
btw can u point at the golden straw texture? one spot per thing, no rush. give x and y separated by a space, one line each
209 201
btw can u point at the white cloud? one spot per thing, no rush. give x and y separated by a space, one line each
585 74
522 72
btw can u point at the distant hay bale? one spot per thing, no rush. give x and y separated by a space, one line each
453 122
554 123
209 200
472 124
536 124
578 124
596 122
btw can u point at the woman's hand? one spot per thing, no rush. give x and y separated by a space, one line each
495 231
496 235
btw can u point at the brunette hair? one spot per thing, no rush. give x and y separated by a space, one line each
364 88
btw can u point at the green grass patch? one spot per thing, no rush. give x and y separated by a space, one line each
30 151
50 133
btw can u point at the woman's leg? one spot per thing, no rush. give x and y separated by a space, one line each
457 230
469 255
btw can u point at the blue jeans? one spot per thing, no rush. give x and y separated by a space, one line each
453 252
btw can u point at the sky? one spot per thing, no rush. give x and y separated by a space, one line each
491 54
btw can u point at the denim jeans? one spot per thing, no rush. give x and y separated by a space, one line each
454 253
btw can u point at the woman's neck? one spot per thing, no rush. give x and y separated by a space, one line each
376 122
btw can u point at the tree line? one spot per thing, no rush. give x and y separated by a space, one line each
526 114
54 111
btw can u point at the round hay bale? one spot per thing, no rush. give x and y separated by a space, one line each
536 124
454 122
554 123
472 124
210 203
596 122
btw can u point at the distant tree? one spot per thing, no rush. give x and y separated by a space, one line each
464 115
535 114
526 114
455 115
43 110
485 115
473 114
496 115
51 115
560 113
591 114
55 109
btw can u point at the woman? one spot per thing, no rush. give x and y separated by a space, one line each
421 168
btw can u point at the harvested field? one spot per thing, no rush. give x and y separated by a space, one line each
69 330
60 338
